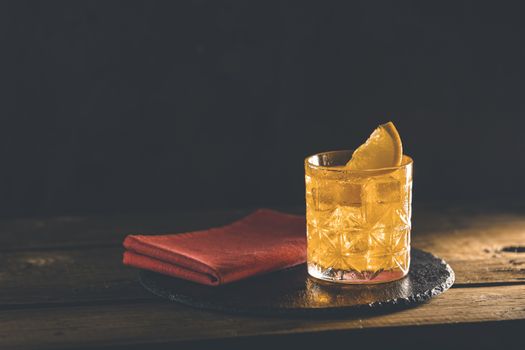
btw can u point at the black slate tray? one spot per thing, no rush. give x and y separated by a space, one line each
293 291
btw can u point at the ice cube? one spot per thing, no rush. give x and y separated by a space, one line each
345 219
382 190
327 194
382 198
348 193
389 191
323 195
355 242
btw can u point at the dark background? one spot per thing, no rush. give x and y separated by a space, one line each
155 105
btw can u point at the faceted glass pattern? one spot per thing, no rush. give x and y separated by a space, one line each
358 222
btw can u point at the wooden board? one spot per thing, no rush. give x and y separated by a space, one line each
477 247
67 276
92 270
63 283
164 322
97 274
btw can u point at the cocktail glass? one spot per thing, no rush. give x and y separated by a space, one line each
358 221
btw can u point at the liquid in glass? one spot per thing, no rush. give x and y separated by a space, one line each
358 222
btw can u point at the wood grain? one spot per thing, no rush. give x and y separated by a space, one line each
63 284
67 276
85 267
97 275
162 322
475 247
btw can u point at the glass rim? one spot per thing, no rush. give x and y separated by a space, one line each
406 161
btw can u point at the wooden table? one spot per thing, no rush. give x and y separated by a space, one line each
63 286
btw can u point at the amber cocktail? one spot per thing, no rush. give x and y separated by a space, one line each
358 221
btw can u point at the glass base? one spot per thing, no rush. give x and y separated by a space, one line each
354 277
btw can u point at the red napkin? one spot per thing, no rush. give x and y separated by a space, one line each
263 241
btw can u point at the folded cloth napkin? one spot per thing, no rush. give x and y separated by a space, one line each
261 242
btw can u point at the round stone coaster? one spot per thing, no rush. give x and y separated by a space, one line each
294 291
